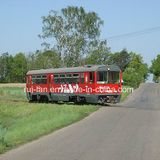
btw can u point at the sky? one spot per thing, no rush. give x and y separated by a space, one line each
21 22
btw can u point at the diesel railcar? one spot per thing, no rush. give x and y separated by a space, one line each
96 84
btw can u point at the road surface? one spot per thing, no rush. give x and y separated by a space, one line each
130 131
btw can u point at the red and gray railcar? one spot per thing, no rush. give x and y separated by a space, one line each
84 84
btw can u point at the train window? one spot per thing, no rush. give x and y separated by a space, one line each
102 77
91 77
39 79
68 78
68 75
56 75
43 81
113 77
44 76
39 76
75 75
62 79
75 78
82 77
56 81
33 81
56 78
62 75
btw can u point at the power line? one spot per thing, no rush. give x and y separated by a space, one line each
134 34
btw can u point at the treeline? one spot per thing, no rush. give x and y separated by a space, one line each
71 37
13 68
155 69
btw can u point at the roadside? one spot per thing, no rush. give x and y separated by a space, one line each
126 91
21 122
129 132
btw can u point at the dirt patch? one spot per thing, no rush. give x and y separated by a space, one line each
12 84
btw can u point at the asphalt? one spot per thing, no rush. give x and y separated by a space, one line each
127 131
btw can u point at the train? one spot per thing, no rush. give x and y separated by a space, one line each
96 84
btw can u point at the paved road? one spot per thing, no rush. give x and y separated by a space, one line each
130 131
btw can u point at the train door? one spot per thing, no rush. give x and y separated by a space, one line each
89 82
28 83
50 82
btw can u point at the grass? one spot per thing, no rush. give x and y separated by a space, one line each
21 121
12 94
125 92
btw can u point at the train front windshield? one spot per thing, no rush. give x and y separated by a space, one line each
108 77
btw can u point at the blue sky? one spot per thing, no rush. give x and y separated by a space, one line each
20 23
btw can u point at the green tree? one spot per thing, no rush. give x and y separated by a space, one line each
47 59
155 68
73 30
31 60
19 68
43 60
6 62
122 59
99 53
136 72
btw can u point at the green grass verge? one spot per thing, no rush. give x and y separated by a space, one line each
12 94
126 91
21 121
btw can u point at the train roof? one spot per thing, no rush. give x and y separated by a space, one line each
86 68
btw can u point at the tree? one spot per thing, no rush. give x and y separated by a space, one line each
19 68
99 53
136 72
155 68
73 30
14 68
122 59
43 60
47 59
6 61
31 60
